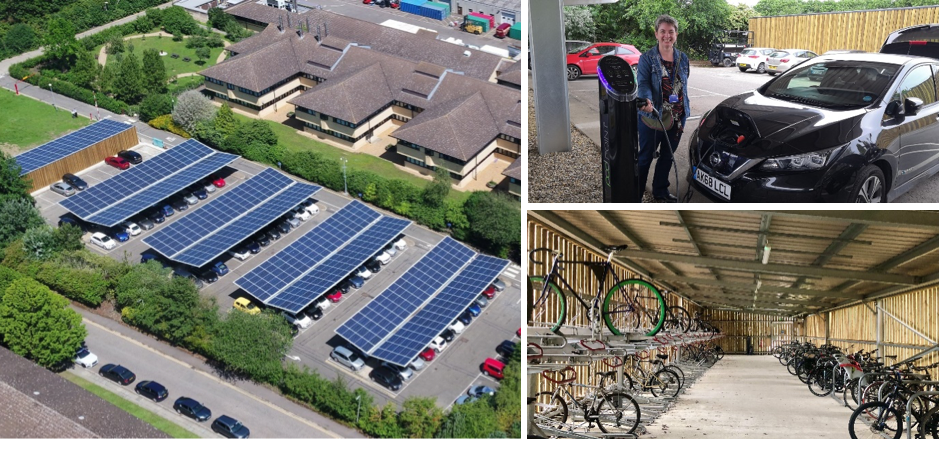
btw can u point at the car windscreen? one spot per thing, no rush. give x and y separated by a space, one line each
779 54
748 52
838 85
576 46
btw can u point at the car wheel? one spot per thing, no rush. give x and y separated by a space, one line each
573 72
870 186
742 69
761 68
728 62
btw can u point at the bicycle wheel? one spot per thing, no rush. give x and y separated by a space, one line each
849 395
792 365
875 420
550 409
678 371
820 382
677 320
719 352
664 383
549 305
618 413
630 301
929 426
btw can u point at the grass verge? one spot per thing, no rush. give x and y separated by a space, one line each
166 43
26 122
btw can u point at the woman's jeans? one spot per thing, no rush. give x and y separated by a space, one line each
649 141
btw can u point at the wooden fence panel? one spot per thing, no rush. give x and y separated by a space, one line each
76 162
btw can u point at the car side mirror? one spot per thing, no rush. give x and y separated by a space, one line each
912 105
894 109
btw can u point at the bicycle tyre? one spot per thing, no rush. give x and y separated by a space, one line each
893 423
719 352
623 416
552 407
543 300
681 373
677 319
637 285
820 383
667 386
929 425
849 395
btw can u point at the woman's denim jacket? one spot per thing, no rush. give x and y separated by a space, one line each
650 79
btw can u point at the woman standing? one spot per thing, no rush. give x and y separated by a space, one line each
663 82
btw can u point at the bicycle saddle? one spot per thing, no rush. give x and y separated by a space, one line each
662 356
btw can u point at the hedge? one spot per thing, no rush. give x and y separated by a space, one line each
65 88
165 122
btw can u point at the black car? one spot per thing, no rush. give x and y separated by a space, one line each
253 247
386 378
208 276
156 215
132 157
230 427
344 286
506 348
262 239
272 233
314 312
373 266
283 227
448 335
861 132
199 192
465 318
192 409
152 390
75 181
179 204
117 373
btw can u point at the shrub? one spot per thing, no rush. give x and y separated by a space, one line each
165 122
192 107
155 105
84 285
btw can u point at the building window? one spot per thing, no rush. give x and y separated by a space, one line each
343 122
508 138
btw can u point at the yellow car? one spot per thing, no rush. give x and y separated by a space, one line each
244 304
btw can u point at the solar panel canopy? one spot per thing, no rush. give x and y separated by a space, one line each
131 191
70 144
207 232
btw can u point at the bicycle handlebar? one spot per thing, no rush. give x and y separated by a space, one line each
531 254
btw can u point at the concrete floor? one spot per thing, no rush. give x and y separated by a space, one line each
751 397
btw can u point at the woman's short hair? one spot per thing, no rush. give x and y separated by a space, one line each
666 19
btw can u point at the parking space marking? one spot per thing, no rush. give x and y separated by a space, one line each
709 92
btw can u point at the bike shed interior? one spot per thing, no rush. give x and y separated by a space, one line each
859 280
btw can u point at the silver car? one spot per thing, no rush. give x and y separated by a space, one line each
62 188
784 59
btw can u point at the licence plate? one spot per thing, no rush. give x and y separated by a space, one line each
743 65
716 185
772 67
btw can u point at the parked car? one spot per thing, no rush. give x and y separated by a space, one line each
418 364
818 70
282 226
403 372
373 266
145 223
179 204
399 243
294 222
244 304
428 354
167 210
490 292
448 335
782 60
120 235
71 220
208 276
156 215
754 58
506 348
131 156
310 205
117 162
465 318
474 310
272 233
130 228
482 301
199 192
334 295
301 213
860 134
117 374
493 368
103 241
344 286
220 268
438 344
313 312
584 62
230 427
386 378
356 281
148 255
502 30
390 250
208 186
477 391
241 253
152 390
75 182
262 239
463 399
62 188
85 358
253 246
301 320
363 273
347 357
323 304
217 181
193 409
190 198
498 284
183 273
457 327
383 258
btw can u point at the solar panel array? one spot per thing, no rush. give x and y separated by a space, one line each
198 237
292 262
144 185
69 144
383 315
408 341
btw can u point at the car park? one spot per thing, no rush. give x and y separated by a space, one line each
404 372
193 409
152 390
85 358
300 320
584 62
253 247
131 156
75 182
117 162
103 241
506 349
117 374
373 266
493 368
457 327
130 228
490 292
363 273
482 301
220 268
208 276
782 60
386 378
347 357
438 344
428 354
145 223
62 188
156 215
498 284
120 235
244 304
383 258
754 58
241 253
230 427
334 295
356 281
190 198
179 204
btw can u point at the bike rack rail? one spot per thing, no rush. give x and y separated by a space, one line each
917 395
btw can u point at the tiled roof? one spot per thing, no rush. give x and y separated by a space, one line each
459 127
514 170
350 97
512 74
263 13
264 67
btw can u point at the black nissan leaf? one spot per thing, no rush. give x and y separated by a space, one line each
838 128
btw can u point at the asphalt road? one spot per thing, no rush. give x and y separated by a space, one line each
708 87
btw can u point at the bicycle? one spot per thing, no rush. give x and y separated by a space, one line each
662 382
623 308
613 411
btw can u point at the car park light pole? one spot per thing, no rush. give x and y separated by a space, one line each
53 95
358 398
345 184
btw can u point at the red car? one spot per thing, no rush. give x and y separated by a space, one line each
335 296
117 162
519 332
490 292
493 368
428 354
366 1
585 60
217 182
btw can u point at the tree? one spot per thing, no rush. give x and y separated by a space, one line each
107 77
740 17
436 191
155 105
192 107
248 132
253 344
16 216
495 221
86 69
128 85
164 307
579 24
203 54
154 73
218 18
507 398
12 185
196 42
176 20
420 417
39 243
60 42
475 419
36 323
68 238
20 38
225 121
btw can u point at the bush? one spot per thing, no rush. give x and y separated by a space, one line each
195 42
165 122
192 107
84 285
155 105
177 21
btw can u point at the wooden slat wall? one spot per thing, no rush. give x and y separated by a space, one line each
766 330
83 159
864 30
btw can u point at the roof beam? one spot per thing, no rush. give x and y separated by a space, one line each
629 234
752 286
891 218
691 239
757 232
759 257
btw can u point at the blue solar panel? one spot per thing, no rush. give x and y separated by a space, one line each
377 320
138 178
69 144
279 271
326 274
408 341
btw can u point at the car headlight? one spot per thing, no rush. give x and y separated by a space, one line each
801 162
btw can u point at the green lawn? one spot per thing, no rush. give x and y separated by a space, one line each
157 422
26 122
166 43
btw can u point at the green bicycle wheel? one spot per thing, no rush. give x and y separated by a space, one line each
549 303
637 299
